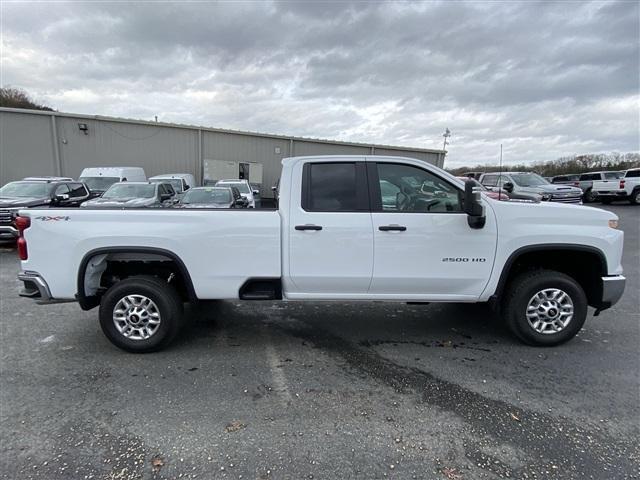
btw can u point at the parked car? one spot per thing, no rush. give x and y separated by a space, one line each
212 197
334 237
528 185
99 179
134 195
625 188
497 195
181 182
475 175
565 179
37 192
245 189
585 182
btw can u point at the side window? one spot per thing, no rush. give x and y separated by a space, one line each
61 189
169 189
490 180
504 180
633 174
405 188
334 187
78 190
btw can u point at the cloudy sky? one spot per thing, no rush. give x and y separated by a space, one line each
546 79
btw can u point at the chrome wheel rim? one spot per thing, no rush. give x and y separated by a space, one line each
136 317
638 197
549 311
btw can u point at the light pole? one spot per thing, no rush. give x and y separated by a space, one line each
446 135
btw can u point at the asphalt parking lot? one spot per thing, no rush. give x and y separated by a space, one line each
275 390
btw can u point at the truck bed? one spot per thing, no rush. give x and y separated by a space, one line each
220 248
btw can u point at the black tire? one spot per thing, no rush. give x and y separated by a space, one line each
164 297
634 199
522 290
606 200
589 196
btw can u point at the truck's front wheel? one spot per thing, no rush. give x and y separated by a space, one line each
545 307
141 314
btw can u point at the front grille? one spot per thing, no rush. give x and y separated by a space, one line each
6 217
567 199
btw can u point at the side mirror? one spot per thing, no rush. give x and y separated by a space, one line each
63 197
508 187
256 192
186 187
472 206
124 179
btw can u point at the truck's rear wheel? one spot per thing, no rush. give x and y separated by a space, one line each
545 307
141 314
634 199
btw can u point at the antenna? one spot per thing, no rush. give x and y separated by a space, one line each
500 172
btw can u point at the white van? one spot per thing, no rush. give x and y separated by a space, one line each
179 181
98 179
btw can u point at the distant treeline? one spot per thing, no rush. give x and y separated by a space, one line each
591 162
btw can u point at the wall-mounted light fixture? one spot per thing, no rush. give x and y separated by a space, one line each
83 128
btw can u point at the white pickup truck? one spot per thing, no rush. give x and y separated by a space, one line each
347 229
624 188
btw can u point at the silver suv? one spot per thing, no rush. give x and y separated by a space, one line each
531 185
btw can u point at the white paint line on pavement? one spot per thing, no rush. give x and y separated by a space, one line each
275 365
48 339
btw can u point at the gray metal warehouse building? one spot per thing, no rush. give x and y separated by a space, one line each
52 143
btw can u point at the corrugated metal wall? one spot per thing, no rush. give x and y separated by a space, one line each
28 146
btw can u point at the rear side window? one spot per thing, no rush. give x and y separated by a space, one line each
559 179
633 174
590 176
334 187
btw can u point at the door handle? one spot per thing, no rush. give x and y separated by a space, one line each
392 228
308 227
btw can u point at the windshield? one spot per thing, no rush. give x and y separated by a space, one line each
241 186
208 195
24 189
176 183
528 179
99 184
130 190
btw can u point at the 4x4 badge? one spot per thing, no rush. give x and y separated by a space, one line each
47 218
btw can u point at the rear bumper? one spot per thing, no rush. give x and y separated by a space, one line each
613 193
36 288
612 290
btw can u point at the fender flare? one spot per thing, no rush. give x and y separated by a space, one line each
89 302
506 268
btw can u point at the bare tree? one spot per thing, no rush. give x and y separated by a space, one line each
16 98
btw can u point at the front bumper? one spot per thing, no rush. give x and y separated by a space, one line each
8 232
612 290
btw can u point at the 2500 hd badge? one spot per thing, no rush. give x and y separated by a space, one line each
464 259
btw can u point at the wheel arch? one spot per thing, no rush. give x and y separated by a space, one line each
88 302
586 264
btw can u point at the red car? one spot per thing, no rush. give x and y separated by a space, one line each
478 186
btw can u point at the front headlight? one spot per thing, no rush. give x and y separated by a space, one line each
613 223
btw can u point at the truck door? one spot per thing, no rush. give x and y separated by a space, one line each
424 247
330 230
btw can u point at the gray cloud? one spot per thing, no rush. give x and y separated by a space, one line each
546 79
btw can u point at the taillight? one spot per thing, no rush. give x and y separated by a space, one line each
621 184
22 223
577 184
